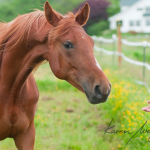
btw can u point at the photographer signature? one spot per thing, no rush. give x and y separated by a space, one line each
141 130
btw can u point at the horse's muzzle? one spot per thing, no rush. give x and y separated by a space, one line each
98 96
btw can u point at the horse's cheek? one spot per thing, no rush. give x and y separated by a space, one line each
56 62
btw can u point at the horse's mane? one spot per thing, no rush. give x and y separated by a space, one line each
23 23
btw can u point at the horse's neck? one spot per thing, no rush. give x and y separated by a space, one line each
1 56
19 62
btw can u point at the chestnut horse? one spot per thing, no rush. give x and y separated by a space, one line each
25 43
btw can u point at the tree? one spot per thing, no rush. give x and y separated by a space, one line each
98 10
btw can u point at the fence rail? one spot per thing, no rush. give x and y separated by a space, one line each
138 63
143 44
124 41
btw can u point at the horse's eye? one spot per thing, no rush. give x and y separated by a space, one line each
68 45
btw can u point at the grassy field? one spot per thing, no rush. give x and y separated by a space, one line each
66 121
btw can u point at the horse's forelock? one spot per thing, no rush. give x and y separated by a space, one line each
22 24
65 24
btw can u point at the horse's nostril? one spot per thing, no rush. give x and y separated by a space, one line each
97 92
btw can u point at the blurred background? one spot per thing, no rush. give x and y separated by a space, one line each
100 10
64 119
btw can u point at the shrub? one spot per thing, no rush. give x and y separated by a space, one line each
97 10
98 28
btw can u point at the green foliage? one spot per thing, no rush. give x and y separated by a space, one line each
63 6
113 8
98 28
10 9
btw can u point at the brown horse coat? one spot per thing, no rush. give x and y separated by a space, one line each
25 43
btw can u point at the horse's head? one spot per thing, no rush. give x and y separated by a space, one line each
71 54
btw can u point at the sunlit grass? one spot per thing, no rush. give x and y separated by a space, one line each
66 121
124 105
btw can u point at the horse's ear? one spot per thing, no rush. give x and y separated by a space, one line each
52 17
83 16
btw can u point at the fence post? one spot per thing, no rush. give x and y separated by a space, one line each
144 58
119 24
114 47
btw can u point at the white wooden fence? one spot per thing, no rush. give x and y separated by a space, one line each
143 44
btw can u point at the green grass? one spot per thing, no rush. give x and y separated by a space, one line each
66 121
124 105
9 9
